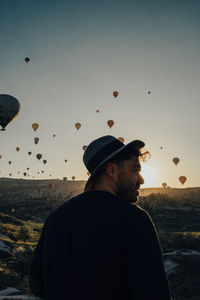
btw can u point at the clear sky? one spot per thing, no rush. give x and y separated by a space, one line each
80 52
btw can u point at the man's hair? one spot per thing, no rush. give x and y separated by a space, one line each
118 159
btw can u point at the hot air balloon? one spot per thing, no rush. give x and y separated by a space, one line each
27 168
18 172
115 94
110 123
50 175
27 60
121 139
97 111
73 178
42 171
9 110
51 186
24 173
0 156
65 179
17 148
78 126
35 126
161 148
44 161
54 135
39 156
176 160
149 92
182 179
36 139
38 172
84 148
164 185
65 160
10 174
10 162
29 153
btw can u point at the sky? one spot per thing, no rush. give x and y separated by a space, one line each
82 51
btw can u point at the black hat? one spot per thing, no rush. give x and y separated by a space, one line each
102 149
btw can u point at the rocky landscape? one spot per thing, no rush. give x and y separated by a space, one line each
25 204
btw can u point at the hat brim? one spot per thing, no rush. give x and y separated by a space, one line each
135 143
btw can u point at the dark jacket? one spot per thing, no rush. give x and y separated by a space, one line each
98 247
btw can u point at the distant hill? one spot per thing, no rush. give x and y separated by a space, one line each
76 187
10 184
169 191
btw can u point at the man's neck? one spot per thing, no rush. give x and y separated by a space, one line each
103 190
100 187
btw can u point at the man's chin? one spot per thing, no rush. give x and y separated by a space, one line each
134 197
133 200
130 197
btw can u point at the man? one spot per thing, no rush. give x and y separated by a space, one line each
99 245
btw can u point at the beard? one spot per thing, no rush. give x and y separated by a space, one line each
125 189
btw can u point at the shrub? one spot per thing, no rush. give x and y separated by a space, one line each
24 233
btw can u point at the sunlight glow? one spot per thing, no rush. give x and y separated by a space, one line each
150 175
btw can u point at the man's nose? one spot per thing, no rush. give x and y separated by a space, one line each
140 179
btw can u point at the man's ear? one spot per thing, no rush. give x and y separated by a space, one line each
111 170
